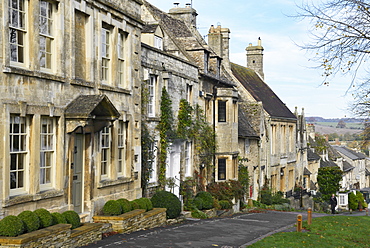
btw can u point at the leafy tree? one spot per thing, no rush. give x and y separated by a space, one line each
328 179
339 32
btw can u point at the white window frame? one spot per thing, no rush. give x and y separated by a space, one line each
105 152
47 152
121 52
188 160
158 42
122 141
105 54
18 32
152 89
18 142
46 35
247 145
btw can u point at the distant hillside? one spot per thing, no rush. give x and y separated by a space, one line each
313 119
329 130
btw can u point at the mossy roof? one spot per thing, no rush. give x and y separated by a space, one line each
261 92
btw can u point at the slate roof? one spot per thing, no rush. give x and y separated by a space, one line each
327 164
349 153
347 166
311 156
306 171
245 129
149 28
261 92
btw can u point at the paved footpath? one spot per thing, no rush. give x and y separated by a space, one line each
237 231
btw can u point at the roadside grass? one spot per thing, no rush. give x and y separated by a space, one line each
328 231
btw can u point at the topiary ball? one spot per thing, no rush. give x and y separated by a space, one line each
148 202
46 219
72 218
135 205
165 199
198 203
141 203
30 220
125 205
11 226
112 207
207 199
58 218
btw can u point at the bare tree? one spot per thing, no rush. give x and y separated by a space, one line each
340 34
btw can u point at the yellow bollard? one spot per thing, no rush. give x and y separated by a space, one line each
299 223
309 216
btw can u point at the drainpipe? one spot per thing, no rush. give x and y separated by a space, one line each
214 128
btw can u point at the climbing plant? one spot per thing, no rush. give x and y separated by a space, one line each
243 174
184 120
166 133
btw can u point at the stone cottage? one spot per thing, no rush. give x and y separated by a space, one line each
70 104
189 69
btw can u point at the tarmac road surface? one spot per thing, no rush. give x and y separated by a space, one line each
236 231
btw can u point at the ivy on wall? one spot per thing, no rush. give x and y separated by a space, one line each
166 133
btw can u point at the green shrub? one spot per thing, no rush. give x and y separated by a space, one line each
198 214
165 199
125 205
58 218
46 219
141 203
207 199
134 205
147 202
198 203
360 199
11 226
30 220
72 218
352 201
225 204
112 207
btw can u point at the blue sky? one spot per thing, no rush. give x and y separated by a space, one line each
287 68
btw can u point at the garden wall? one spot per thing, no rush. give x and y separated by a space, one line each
59 235
134 220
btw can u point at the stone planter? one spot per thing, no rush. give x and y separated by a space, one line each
59 235
134 220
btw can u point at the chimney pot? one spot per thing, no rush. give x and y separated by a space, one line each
176 5
188 5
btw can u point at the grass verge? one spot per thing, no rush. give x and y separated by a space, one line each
328 231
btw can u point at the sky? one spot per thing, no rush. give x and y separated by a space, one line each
288 69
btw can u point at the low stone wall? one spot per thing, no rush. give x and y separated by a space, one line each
59 235
134 220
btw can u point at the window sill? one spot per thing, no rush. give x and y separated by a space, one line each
19 199
110 183
37 74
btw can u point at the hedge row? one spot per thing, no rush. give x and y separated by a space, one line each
28 221
121 206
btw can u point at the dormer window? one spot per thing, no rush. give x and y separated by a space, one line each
158 42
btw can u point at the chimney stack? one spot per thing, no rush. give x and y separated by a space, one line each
255 58
186 14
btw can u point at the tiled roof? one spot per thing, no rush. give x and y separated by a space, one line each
349 153
245 129
261 92
88 106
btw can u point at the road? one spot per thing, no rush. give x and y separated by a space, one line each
236 231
